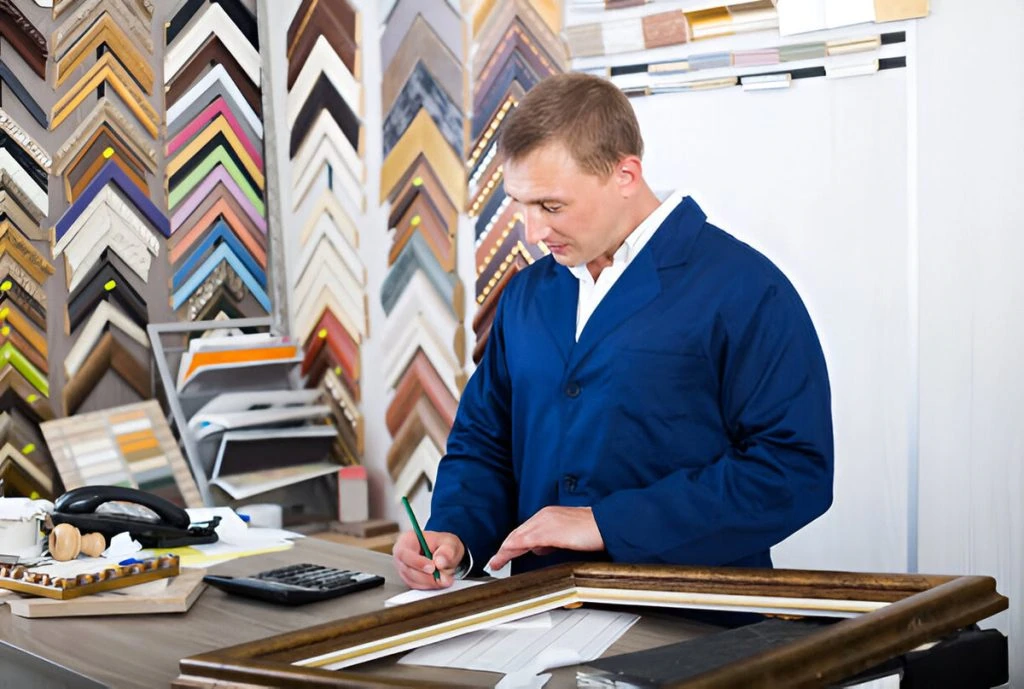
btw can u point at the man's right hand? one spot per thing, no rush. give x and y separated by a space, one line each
416 570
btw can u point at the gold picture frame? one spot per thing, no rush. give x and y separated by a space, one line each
887 615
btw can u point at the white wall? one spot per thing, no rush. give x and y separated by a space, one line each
815 178
970 142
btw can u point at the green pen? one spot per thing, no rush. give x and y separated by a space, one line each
419 535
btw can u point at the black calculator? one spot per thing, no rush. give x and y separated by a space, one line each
296 584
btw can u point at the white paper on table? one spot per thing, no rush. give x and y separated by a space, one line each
72 568
532 677
539 621
414 595
889 682
583 632
261 534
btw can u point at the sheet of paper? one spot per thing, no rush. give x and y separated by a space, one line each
414 595
532 676
539 621
122 546
582 632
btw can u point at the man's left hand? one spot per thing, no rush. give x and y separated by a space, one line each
568 528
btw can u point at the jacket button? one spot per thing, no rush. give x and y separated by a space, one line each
570 483
572 389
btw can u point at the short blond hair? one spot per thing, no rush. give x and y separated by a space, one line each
586 113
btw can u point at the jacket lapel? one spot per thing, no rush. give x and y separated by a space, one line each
556 300
640 283
634 289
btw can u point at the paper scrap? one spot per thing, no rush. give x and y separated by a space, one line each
121 546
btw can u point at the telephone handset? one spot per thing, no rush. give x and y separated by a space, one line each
111 510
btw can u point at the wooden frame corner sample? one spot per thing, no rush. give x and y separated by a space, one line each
886 615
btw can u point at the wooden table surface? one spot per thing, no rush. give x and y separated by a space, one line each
143 650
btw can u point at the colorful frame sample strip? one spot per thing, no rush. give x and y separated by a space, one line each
677 27
109 231
215 169
836 58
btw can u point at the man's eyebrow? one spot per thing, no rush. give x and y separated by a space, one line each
537 202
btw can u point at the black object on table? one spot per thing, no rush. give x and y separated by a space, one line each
296 584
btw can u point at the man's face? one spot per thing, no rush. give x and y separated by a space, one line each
574 213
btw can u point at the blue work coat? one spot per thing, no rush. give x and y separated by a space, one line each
693 415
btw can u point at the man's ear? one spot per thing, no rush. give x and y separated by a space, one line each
628 175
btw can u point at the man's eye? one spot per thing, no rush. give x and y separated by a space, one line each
551 209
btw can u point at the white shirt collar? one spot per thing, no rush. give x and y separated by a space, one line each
637 239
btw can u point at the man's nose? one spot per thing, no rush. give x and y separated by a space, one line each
536 229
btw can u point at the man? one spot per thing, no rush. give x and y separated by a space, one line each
652 391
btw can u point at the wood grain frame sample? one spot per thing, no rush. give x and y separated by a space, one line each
88 12
422 45
332 22
106 32
107 70
17 30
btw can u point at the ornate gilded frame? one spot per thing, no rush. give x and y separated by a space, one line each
888 615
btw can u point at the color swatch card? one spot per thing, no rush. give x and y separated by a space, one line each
129 446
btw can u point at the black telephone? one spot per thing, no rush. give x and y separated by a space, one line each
170 528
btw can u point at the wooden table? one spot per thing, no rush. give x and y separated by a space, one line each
143 650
